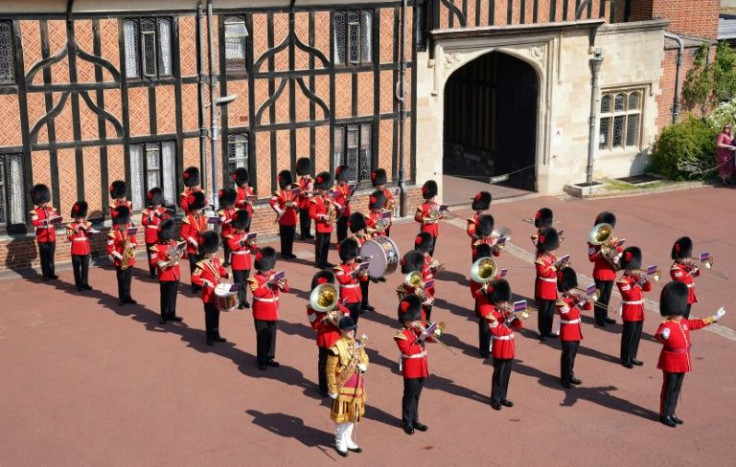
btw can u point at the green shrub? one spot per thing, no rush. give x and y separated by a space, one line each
685 150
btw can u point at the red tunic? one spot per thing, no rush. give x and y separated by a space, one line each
413 354
327 333
341 200
160 255
471 227
502 345
483 305
349 284
545 287
150 219
116 239
226 221
569 311
184 198
423 216
390 201
306 184
318 209
285 204
675 355
602 269
192 227
243 199
632 294
487 241
45 231
428 275
686 273
78 234
241 256
265 297
207 274
373 218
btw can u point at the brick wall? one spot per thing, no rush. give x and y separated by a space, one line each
697 18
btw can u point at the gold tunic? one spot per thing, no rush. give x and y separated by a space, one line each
345 380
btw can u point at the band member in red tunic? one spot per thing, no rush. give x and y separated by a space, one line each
306 185
379 179
683 269
632 285
483 231
350 276
414 262
118 192
241 249
342 201
411 341
429 214
43 218
502 322
266 289
542 219
483 306
227 210
378 223
324 213
245 197
165 258
423 243
545 289
569 305
191 182
481 204
358 225
192 227
286 206
78 233
208 274
324 322
604 270
151 217
121 248
674 334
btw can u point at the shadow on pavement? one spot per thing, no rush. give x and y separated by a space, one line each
289 426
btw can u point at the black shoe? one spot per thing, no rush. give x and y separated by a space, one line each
121 303
292 256
210 342
541 337
178 319
551 335
420 426
496 405
79 289
668 421
53 277
342 453
196 288
131 301
676 419
600 324
358 449
576 381
225 265
220 339
381 279
637 362
246 304
241 307
45 279
408 429
323 393
628 364
369 308
566 384
507 403
162 321
87 287
273 363
609 320
485 355
262 367
329 265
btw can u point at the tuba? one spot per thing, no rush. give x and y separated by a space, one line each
483 270
602 235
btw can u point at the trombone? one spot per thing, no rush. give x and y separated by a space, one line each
705 259
434 330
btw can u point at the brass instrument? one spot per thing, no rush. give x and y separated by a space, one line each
436 266
499 233
331 212
434 330
128 255
594 296
323 299
483 271
644 273
174 254
414 280
508 309
602 235
707 262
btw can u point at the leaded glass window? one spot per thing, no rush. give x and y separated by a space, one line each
237 152
164 49
130 33
352 37
235 36
339 26
352 147
12 207
620 119
147 47
152 165
7 61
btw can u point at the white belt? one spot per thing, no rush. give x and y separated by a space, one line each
571 321
633 302
149 226
241 252
349 286
548 279
267 300
504 338
416 355
689 286
81 239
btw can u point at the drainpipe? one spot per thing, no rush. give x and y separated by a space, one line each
680 52
595 68
213 111
201 80
400 96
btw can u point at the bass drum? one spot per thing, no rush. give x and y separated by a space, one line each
224 298
383 255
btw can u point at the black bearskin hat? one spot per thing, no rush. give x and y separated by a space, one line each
683 248
323 277
155 197
191 177
543 218
265 259
567 279
548 240
378 177
303 166
673 300
482 201
411 262
323 181
241 220
423 242
410 309
631 258
485 225
240 176
209 242
501 291
284 179
40 194
196 200
484 250
121 215
606 218
166 230
429 189
342 173
79 209
118 189
348 249
377 200
227 197
356 222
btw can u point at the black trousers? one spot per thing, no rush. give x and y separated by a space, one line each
193 260
151 269
321 248
169 291
124 277
567 360
630 340
324 352
80 264
501 376
388 232
354 311
227 252
601 305
47 251
410 400
687 310
287 232
211 321
241 277
484 338
305 223
671 385
434 244
342 228
364 292
545 315
427 312
265 340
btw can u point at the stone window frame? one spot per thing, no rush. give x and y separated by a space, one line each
164 169
242 38
352 37
12 196
140 63
357 137
630 116
7 54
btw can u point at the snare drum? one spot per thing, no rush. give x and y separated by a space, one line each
384 256
224 298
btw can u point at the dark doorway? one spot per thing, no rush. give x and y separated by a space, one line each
491 120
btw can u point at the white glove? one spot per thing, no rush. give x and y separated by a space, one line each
719 314
362 367
665 333
333 396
